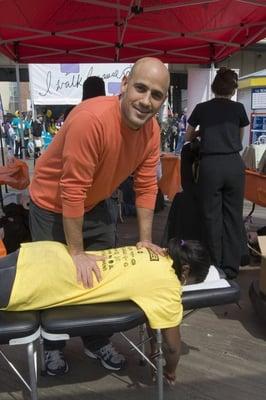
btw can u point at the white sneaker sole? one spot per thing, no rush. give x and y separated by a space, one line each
104 364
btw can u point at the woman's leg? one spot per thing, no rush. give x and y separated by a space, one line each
233 195
210 188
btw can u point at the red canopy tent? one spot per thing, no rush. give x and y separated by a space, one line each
185 31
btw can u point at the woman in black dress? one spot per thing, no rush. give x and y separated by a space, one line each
221 172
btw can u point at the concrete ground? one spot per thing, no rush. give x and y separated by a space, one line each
223 352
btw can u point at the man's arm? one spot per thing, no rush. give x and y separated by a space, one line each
145 220
85 264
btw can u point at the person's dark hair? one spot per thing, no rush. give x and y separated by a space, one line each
225 82
93 86
192 253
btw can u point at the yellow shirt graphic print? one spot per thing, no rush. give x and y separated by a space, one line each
46 277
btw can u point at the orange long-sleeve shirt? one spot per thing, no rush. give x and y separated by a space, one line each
91 155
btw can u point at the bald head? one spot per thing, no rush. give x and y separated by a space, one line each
143 91
154 65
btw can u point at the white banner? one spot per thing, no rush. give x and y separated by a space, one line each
1 112
53 84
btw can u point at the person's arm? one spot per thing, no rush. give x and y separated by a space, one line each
192 123
241 132
146 188
243 120
171 351
191 133
172 339
85 264
145 220
80 158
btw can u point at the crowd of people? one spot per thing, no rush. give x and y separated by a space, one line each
102 141
21 132
173 132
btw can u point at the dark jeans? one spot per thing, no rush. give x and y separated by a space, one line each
99 233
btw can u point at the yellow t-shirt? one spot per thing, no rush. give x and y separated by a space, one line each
46 277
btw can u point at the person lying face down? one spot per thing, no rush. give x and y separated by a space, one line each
28 282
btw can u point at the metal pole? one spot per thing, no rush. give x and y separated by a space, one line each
32 363
212 76
21 131
159 364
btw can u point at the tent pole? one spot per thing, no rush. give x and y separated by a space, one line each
212 75
20 109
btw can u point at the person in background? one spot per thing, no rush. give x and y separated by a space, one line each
36 130
221 172
27 132
18 126
48 121
173 132
92 87
182 125
102 142
9 135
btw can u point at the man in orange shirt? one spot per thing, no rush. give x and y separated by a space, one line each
101 143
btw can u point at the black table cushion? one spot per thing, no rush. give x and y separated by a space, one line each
14 325
105 318
108 318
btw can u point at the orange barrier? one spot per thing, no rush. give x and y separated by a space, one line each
15 174
170 182
255 187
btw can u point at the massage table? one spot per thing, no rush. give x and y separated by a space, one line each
62 323
22 328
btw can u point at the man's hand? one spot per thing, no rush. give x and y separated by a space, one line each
87 266
149 245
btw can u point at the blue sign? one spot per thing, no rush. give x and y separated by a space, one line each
257 126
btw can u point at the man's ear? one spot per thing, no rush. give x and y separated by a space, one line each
124 84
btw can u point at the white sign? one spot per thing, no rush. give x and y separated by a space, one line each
62 83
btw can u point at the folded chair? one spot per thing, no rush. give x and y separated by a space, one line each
64 322
21 328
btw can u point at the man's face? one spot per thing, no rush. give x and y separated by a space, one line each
143 93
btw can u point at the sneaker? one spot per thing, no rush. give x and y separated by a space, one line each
55 362
108 356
